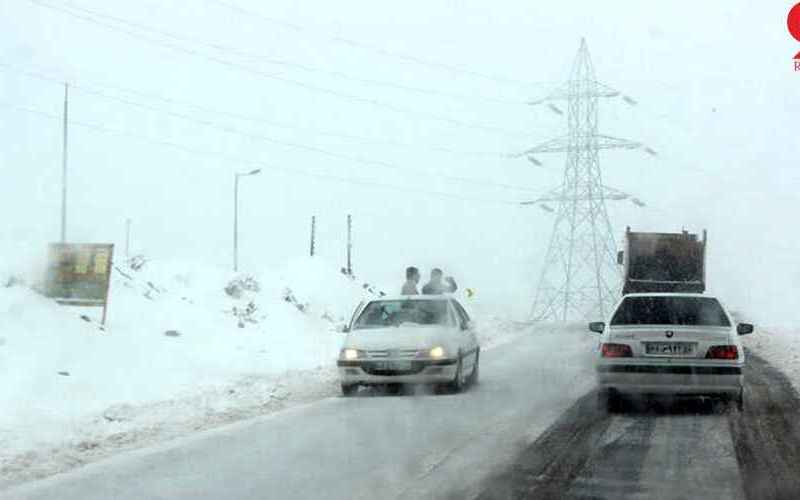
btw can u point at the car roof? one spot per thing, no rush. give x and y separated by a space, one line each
413 297
661 294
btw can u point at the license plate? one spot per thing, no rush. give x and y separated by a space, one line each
394 365
669 348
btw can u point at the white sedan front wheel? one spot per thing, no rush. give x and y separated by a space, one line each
473 377
458 383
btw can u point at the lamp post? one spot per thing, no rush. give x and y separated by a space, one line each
64 167
236 215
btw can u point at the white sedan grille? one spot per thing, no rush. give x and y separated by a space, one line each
392 353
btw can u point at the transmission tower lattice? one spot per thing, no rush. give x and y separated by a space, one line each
580 278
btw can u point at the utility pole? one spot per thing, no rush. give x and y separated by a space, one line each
313 232
236 223
64 168
580 278
236 215
349 244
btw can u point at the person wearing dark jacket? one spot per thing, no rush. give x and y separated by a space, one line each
412 278
437 285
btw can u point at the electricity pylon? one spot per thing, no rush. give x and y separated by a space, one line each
580 278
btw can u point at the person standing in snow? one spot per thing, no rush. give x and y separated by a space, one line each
437 285
412 278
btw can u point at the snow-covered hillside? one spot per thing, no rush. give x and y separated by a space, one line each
178 350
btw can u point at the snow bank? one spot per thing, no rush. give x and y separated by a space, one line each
179 353
20 262
175 347
780 346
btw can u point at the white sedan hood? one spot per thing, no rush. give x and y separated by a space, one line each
400 337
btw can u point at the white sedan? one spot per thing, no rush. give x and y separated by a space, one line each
683 344
419 339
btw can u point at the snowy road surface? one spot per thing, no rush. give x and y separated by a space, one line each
684 450
340 447
531 429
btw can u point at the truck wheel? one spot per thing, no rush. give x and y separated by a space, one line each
349 389
740 401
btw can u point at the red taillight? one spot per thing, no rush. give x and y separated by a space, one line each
616 351
722 352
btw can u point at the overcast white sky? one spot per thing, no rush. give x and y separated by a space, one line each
717 95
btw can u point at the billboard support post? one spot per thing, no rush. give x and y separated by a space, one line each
108 284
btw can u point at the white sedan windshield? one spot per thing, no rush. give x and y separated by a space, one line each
381 313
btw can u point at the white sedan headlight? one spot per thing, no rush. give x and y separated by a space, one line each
437 352
349 354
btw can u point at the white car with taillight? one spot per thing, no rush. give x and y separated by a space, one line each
419 339
670 343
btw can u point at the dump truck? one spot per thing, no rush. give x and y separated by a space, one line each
663 262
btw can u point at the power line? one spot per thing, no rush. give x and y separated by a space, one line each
293 145
289 81
292 64
244 161
271 122
380 50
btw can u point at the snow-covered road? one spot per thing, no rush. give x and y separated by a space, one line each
532 428
665 449
411 446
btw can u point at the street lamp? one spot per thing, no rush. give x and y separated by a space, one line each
236 215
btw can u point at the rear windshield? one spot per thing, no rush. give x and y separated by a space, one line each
380 313
699 311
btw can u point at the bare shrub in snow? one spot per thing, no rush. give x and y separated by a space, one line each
137 262
289 297
151 289
125 275
237 286
246 315
232 290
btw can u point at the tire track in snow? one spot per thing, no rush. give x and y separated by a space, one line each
555 458
679 449
766 435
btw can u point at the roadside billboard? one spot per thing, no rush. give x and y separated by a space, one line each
79 274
